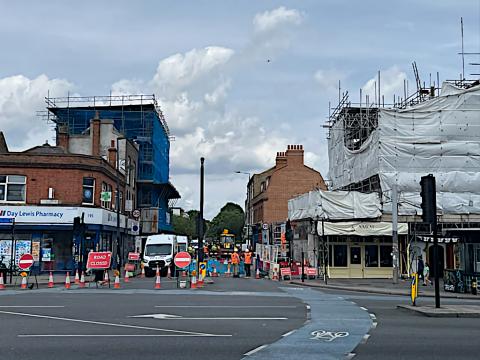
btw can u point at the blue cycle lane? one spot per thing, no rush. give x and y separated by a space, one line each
334 328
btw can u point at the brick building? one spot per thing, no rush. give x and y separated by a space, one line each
269 191
44 188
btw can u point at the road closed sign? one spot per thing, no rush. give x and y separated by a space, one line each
182 259
25 261
99 260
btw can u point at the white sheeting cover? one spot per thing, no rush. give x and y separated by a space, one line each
440 136
334 205
360 228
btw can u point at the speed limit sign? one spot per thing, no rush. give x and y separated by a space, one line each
136 213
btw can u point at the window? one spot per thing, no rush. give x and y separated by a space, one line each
134 174
340 255
371 255
386 256
12 188
106 188
355 255
88 190
128 170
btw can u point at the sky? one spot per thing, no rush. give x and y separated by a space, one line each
237 81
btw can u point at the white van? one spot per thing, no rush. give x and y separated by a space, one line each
159 251
182 243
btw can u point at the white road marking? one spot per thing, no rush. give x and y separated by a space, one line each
177 317
225 306
372 316
363 308
32 306
255 350
365 338
108 324
350 355
118 335
288 333
374 325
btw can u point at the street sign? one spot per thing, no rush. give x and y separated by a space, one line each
133 256
182 259
106 196
25 261
99 260
136 213
265 226
6 220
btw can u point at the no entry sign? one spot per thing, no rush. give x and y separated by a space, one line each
99 260
25 261
182 259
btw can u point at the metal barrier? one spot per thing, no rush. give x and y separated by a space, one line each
459 281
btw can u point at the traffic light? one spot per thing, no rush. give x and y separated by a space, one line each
429 199
77 226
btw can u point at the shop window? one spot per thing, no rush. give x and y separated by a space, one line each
340 255
386 256
12 188
330 256
88 190
355 255
371 255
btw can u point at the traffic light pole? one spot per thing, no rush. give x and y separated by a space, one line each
435 264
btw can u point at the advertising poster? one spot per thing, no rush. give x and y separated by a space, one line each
46 254
22 247
36 250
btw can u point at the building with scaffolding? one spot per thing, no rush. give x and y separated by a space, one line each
138 118
385 150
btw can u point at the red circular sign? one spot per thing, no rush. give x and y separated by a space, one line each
25 261
182 259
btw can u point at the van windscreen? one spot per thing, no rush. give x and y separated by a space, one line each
158 249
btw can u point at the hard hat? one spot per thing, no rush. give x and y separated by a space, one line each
235 250
247 250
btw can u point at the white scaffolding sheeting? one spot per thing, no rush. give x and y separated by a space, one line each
440 136
334 205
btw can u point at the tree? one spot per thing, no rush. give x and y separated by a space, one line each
231 217
186 225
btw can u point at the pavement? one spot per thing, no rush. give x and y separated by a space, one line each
381 286
457 310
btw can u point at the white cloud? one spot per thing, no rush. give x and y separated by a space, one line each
271 20
20 98
328 79
391 83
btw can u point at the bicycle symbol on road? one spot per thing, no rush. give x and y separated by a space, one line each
328 335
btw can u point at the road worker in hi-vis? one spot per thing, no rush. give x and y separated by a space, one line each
235 262
247 262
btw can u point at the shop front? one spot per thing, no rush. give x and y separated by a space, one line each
359 249
48 234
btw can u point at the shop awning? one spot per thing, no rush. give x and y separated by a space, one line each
361 228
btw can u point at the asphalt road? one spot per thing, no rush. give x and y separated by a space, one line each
231 318
403 335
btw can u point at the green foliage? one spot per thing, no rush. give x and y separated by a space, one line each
185 225
231 217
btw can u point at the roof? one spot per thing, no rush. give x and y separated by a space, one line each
45 149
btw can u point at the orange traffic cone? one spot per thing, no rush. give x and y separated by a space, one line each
227 274
126 278
257 274
169 273
82 280
2 284
158 284
77 277
116 285
24 282
51 284
200 280
214 274
194 282
143 272
105 277
67 281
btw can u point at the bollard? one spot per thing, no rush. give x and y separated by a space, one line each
474 286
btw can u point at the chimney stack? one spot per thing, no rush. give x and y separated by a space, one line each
95 135
62 137
294 155
280 160
112 154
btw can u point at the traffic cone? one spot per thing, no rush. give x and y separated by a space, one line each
275 275
143 272
158 284
227 274
51 284
67 281
169 273
116 285
194 282
2 284
126 278
24 282
200 280
214 274
77 277
257 274
105 276
82 280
